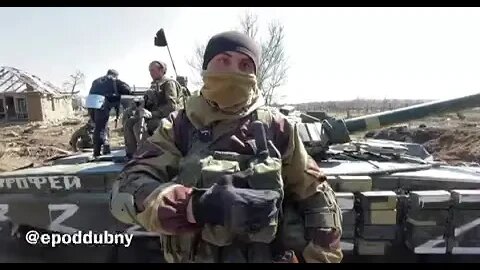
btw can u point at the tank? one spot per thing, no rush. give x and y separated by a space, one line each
398 204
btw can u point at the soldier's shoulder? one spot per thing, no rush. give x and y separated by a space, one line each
170 83
270 112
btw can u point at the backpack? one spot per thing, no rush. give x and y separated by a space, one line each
182 92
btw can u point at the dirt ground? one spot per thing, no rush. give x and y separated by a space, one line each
34 142
448 138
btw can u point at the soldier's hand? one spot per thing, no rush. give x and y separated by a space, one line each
144 113
240 210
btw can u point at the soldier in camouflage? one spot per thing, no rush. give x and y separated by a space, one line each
161 99
228 179
83 137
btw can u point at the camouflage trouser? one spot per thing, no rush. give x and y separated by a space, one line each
131 135
132 130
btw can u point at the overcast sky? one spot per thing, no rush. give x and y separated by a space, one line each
334 53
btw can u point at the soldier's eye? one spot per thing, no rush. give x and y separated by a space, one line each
246 66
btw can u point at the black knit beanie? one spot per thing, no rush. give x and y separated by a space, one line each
232 41
112 72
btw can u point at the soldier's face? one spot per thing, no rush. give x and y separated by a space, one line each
156 71
231 62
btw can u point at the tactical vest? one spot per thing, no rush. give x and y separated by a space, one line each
160 97
201 166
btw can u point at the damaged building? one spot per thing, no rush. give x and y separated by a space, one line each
25 97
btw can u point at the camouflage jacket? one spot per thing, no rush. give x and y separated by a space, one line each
162 98
158 162
82 138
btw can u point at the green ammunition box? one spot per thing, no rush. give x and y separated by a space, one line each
466 240
462 217
466 231
466 243
372 247
378 200
349 217
377 232
348 231
429 199
427 217
346 200
379 217
426 239
466 199
350 183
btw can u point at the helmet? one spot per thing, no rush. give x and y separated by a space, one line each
94 101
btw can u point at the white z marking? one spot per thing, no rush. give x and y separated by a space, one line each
69 210
3 212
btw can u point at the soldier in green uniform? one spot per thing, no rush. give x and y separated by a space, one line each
228 179
162 98
83 137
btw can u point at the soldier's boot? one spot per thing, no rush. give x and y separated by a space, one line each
106 149
96 150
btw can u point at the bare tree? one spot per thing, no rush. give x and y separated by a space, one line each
273 66
196 63
74 81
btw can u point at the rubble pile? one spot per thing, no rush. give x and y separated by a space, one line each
32 143
453 145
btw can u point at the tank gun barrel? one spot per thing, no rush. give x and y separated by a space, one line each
410 113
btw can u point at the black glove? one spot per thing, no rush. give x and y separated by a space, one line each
241 210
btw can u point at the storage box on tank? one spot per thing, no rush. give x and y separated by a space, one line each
348 231
348 224
372 247
466 199
379 217
377 232
346 200
350 183
429 199
427 217
426 239
466 231
349 217
378 200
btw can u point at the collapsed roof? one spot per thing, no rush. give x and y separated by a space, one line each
13 80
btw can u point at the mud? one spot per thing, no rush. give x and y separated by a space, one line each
453 144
